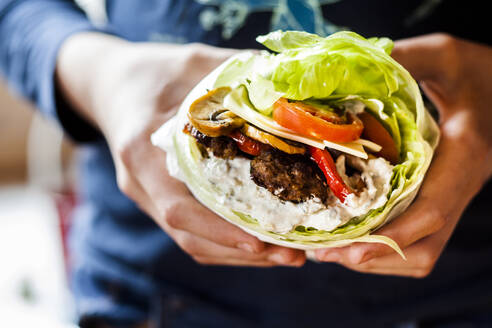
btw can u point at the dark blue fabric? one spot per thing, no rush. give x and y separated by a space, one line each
125 269
30 34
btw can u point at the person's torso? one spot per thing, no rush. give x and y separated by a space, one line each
236 23
119 233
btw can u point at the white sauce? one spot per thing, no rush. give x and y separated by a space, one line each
240 193
354 106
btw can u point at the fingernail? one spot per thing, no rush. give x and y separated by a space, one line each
331 257
246 247
277 258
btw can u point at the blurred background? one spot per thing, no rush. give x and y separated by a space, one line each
35 205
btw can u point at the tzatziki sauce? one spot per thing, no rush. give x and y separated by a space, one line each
236 189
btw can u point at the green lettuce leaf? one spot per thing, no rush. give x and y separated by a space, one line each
262 94
309 66
341 64
279 41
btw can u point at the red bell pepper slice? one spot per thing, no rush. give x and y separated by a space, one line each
246 144
325 162
376 132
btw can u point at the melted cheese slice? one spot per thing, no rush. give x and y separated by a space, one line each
238 107
369 145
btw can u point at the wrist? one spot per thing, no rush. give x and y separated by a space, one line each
80 71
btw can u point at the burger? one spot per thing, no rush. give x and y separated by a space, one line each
315 144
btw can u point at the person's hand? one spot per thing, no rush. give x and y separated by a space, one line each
456 75
128 90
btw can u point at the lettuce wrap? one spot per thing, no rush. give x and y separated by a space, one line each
306 67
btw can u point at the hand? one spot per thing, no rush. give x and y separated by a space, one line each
456 75
129 90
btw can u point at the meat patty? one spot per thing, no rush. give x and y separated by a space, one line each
223 147
292 178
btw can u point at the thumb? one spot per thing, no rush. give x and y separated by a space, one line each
434 61
427 57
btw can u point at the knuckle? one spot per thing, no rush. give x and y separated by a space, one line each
124 183
193 46
443 38
426 260
289 257
361 267
447 42
355 256
129 150
172 215
422 273
196 53
438 219
426 263
202 260
188 243
124 153
254 245
450 51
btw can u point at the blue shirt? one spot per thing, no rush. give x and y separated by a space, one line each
126 269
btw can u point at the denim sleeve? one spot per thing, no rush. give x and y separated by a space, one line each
31 32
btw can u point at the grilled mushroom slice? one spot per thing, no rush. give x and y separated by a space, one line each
208 115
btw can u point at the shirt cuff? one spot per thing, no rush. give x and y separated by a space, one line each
51 100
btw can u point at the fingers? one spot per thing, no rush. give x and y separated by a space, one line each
418 222
178 210
201 233
210 253
430 212
132 188
421 257
207 252
187 214
234 262
298 262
